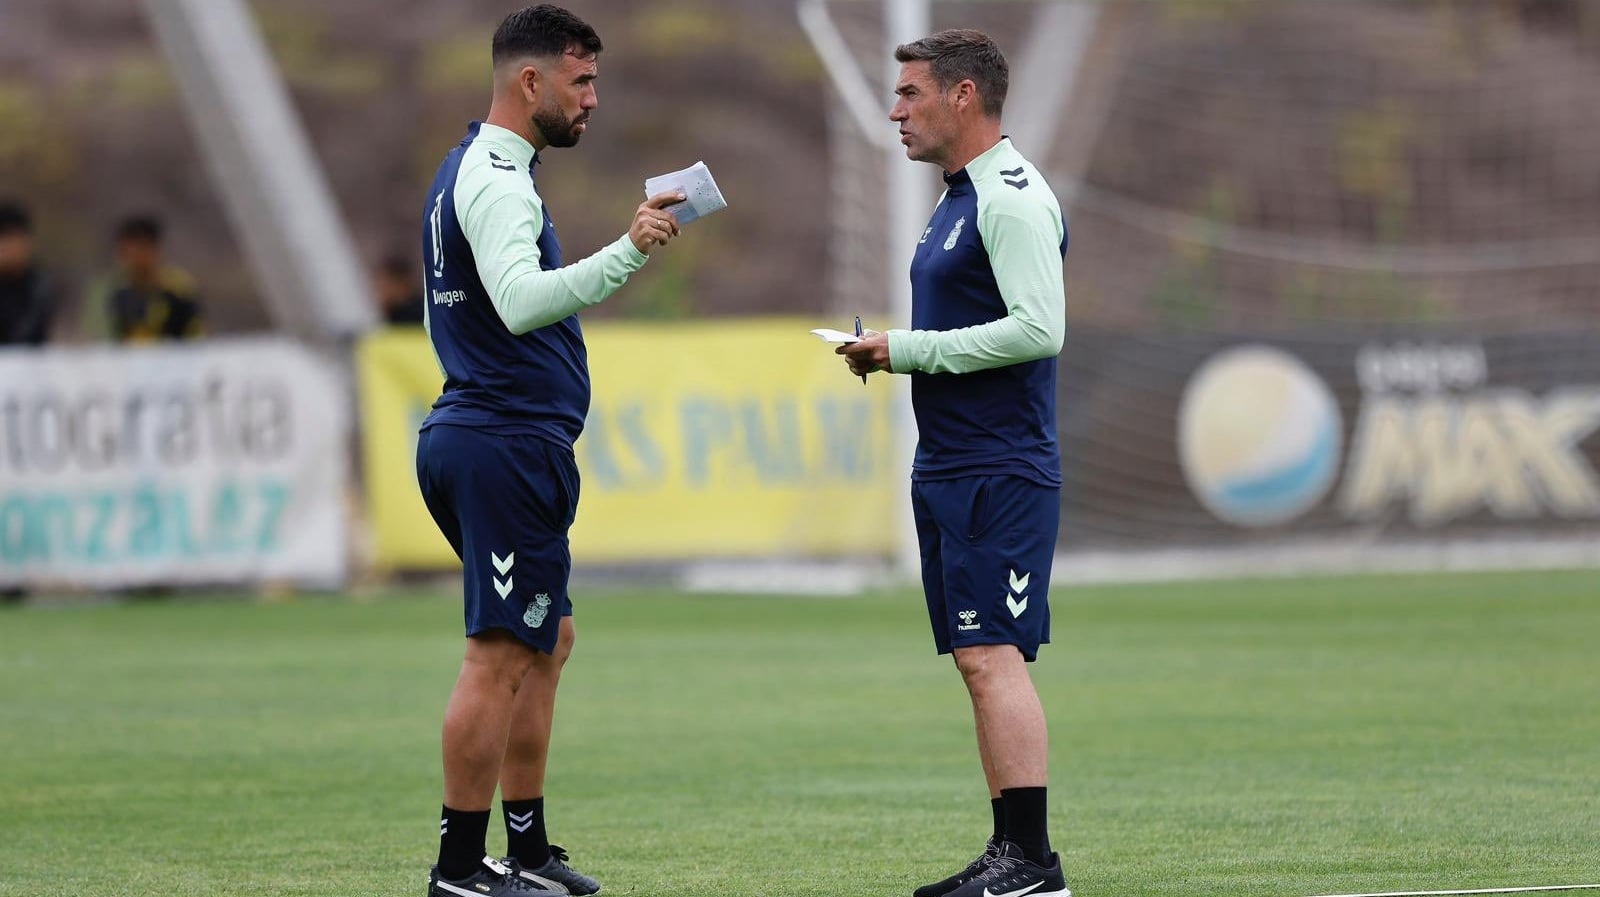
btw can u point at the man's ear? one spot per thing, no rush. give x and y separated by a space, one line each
530 81
965 94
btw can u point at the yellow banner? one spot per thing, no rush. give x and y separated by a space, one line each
707 439
399 379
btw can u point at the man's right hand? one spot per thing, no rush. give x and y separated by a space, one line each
651 225
868 354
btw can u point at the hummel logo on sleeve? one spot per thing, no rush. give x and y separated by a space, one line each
1014 178
502 164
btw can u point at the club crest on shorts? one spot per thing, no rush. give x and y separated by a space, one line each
538 609
955 234
969 621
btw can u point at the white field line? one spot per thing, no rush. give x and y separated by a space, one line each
1477 891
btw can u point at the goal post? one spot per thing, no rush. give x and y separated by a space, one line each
274 189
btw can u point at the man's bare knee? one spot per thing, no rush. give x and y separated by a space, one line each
566 637
981 665
980 661
501 655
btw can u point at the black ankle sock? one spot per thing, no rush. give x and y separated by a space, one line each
1025 822
997 806
462 834
526 841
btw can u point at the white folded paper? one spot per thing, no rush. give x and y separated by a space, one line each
697 184
835 336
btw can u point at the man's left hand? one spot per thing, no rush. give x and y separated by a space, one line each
870 353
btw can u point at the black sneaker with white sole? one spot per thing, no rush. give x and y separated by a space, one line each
1010 874
557 876
492 879
941 888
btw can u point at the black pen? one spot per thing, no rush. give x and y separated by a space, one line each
858 336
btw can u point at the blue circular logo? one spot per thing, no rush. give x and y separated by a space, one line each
1259 435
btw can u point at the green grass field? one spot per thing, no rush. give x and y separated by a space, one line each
1264 738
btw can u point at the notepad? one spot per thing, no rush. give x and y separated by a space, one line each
835 336
697 184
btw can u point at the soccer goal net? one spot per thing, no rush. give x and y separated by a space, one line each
1334 277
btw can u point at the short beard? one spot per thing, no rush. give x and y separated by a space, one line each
557 129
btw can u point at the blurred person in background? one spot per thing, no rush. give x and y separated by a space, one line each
494 458
989 316
27 300
399 298
145 299
27 296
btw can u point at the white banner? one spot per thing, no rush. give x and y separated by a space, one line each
220 461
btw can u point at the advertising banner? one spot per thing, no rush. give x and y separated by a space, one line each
743 438
1179 441
214 462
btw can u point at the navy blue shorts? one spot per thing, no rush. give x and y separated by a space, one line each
505 503
987 545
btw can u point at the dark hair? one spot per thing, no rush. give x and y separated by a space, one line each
14 219
543 31
963 54
146 228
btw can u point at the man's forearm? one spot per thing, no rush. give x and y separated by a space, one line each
528 297
1013 339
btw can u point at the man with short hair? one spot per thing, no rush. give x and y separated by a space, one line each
144 298
150 299
27 297
989 318
494 458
